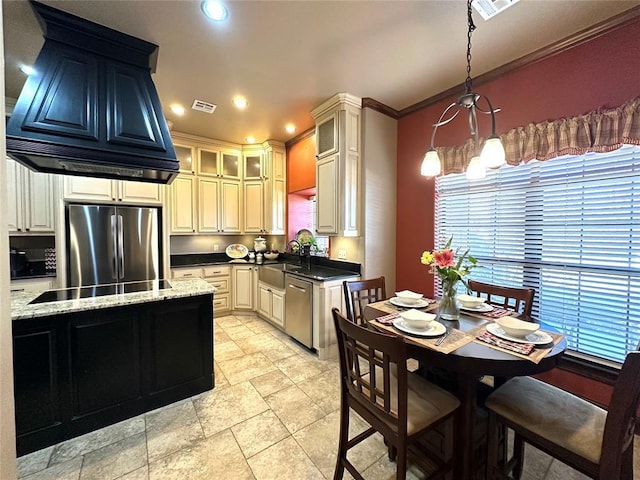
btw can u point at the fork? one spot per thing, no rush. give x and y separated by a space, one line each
443 337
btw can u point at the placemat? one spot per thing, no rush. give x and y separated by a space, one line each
499 312
455 340
387 306
537 353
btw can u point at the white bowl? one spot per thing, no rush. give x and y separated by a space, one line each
517 328
470 301
409 297
271 256
417 319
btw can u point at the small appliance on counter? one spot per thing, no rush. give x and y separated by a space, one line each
19 263
260 245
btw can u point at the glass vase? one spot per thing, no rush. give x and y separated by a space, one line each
448 308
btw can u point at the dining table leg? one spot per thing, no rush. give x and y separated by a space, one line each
467 385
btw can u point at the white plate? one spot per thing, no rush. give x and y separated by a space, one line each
419 304
236 250
435 329
482 308
537 338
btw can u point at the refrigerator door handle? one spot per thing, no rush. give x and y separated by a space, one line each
114 256
121 246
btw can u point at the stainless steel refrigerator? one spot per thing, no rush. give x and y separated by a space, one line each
112 244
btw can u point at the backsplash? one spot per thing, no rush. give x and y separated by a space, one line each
190 244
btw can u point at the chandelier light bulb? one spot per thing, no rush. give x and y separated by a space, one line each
476 169
492 154
431 164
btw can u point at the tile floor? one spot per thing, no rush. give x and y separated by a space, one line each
273 415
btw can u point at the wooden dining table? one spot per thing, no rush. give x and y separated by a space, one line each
468 364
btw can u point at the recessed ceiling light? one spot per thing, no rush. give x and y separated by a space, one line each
177 109
27 70
251 140
240 102
290 127
215 10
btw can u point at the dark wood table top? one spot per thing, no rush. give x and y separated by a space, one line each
477 359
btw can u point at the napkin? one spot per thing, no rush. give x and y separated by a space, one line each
387 319
498 312
521 348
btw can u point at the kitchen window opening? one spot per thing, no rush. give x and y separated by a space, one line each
568 227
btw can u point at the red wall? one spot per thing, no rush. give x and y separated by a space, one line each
604 72
301 165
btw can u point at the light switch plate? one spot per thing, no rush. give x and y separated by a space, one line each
342 254
215 247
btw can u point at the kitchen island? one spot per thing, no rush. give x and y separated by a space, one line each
85 363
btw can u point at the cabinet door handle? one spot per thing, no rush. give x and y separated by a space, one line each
187 274
217 271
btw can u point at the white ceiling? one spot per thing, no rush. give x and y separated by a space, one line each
287 57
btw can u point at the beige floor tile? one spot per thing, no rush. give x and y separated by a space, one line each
385 469
219 378
220 337
299 368
97 439
115 460
227 322
245 368
224 408
217 457
227 351
259 326
320 442
69 470
271 382
259 432
267 344
172 428
34 462
140 474
324 389
294 408
238 332
284 460
560 471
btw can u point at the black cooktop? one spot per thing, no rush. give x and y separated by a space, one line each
99 290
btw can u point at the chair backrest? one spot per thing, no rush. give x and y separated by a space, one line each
619 428
368 359
517 299
359 293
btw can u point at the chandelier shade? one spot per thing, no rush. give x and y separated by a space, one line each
493 154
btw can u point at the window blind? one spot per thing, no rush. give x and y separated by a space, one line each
569 228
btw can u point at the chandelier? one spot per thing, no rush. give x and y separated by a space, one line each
492 155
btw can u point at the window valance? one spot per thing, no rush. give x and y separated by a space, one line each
602 130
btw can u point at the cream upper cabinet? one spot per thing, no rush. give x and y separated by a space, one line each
231 208
219 163
218 206
185 155
338 166
31 198
105 190
254 207
183 203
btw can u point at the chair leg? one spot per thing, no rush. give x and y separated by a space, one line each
401 462
518 454
492 448
343 441
626 472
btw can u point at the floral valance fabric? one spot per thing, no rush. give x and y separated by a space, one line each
597 131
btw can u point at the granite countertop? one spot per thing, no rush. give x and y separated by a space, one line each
21 309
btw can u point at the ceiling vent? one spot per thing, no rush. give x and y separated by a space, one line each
490 8
202 106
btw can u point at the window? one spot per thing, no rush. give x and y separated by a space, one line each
568 227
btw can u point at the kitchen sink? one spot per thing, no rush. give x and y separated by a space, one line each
273 274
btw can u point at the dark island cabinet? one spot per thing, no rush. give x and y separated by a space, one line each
74 373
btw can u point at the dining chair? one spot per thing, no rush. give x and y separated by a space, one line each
514 298
597 442
376 385
359 293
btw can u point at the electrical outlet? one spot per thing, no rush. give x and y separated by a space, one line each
342 254
215 247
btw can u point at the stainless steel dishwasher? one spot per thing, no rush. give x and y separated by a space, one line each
299 310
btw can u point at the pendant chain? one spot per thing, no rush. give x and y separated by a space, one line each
472 27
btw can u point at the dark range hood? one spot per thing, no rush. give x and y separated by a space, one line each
91 108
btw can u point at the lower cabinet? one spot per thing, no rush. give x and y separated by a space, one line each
271 304
242 287
74 373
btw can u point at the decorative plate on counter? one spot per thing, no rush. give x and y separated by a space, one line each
305 237
237 250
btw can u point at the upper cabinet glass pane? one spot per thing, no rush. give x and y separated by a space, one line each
209 162
230 165
327 136
185 157
252 166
